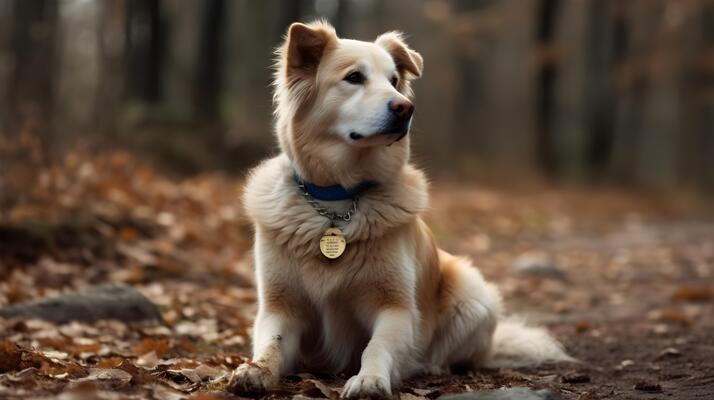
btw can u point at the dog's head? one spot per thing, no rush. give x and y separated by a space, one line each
340 98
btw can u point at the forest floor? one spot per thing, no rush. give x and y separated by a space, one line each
623 279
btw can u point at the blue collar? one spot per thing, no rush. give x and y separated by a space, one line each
334 192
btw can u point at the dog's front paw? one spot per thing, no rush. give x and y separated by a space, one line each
251 378
370 386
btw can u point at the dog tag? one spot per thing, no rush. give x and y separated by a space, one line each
332 243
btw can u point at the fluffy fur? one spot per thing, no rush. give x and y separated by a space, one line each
393 304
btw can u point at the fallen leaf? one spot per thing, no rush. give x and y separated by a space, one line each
57 343
107 374
409 396
425 392
316 389
190 374
10 356
86 348
206 329
148 360
586 396
693 293
163 393
112 362
137 253
208 372
158 346
23 375
178 380
128 234
672 315
199 373
55 355
582 326
208 396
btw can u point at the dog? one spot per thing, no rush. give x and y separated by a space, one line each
349 277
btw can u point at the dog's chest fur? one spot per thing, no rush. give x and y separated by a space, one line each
275 204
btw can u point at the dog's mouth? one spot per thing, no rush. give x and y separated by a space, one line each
395 131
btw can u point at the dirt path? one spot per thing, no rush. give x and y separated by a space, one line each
632 298
624 280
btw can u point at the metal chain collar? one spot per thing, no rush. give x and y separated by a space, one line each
331 215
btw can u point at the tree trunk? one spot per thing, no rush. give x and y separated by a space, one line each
254 29
112 92
696 163
509 108
79 65
31 88
210 56
183 34
6 62
555 77
656 163
145 40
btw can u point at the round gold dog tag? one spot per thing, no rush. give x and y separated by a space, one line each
332 243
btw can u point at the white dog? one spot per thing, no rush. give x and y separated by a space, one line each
349 277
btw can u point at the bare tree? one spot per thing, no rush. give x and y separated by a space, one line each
31 89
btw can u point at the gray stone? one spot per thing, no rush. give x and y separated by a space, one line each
516 393
110 301
540 265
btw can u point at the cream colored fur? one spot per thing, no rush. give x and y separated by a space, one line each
393 304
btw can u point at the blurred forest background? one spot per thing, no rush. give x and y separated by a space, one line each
571 145
615 91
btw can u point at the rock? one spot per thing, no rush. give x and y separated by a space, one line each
516 393
650 387
668 352
575 377
540 265
110 301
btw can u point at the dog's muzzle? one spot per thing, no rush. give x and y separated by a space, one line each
396 126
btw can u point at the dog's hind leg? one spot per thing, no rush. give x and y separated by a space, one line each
470 309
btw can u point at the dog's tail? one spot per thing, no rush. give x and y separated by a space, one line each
516 344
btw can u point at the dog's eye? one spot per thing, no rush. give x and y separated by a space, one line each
355 78
394 81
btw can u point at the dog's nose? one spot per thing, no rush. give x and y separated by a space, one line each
403 109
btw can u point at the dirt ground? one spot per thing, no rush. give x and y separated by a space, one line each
625 280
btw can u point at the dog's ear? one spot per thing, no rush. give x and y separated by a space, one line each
306 44
409 62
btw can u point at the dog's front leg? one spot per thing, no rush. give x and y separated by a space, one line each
275 343
392 339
